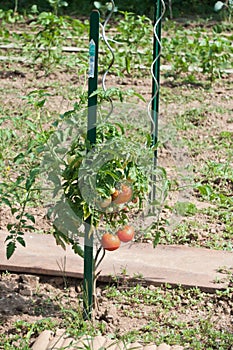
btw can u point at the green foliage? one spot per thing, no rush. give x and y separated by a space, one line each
20 188
57 4
88 179
130 54
188 51
49 32
168 319
191 52
23 332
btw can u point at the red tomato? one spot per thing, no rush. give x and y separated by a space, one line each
110 242
123 195
126 234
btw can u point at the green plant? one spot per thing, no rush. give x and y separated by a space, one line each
214 55
192 51
49 33
112 163
57 4
226 6
132 51
23 332
20 187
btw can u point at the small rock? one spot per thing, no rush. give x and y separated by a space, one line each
209 305
177 347
2 285
213 230
21 307
57 282
152 287
8 285
124 307
135 346
227 310
164 346
79 288
25 289
72 292
98 292
31 280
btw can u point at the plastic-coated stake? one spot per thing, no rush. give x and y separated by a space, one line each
91 137
155 86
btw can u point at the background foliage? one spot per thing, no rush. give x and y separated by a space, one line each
180 7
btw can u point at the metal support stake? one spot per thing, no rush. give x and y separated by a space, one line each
156 82
91 136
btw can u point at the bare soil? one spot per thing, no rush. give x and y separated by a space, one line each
33 298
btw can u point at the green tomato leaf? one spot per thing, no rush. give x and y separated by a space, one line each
10 249
21 241
78 250
156 239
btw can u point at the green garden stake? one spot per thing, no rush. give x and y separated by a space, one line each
88 279
155 83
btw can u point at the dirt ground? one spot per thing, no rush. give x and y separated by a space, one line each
32 298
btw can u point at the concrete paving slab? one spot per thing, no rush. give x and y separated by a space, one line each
57 342
134 346
43 340
98 342
176 265
150 347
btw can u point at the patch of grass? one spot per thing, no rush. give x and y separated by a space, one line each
185 232
188 317
19 337
170 321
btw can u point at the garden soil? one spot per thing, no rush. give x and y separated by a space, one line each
31 298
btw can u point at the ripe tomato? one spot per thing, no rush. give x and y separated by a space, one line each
115 194
123 195
126 234
110 242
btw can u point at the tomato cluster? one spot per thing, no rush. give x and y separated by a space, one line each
118 196
112 242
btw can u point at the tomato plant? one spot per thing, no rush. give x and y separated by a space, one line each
107 183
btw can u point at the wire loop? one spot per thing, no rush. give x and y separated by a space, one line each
153 64
106 41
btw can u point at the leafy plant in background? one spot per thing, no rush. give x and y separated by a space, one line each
226 6
133 42
191 52
215 54
57 4
49 33
45 45
8 18
104 8
20 187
